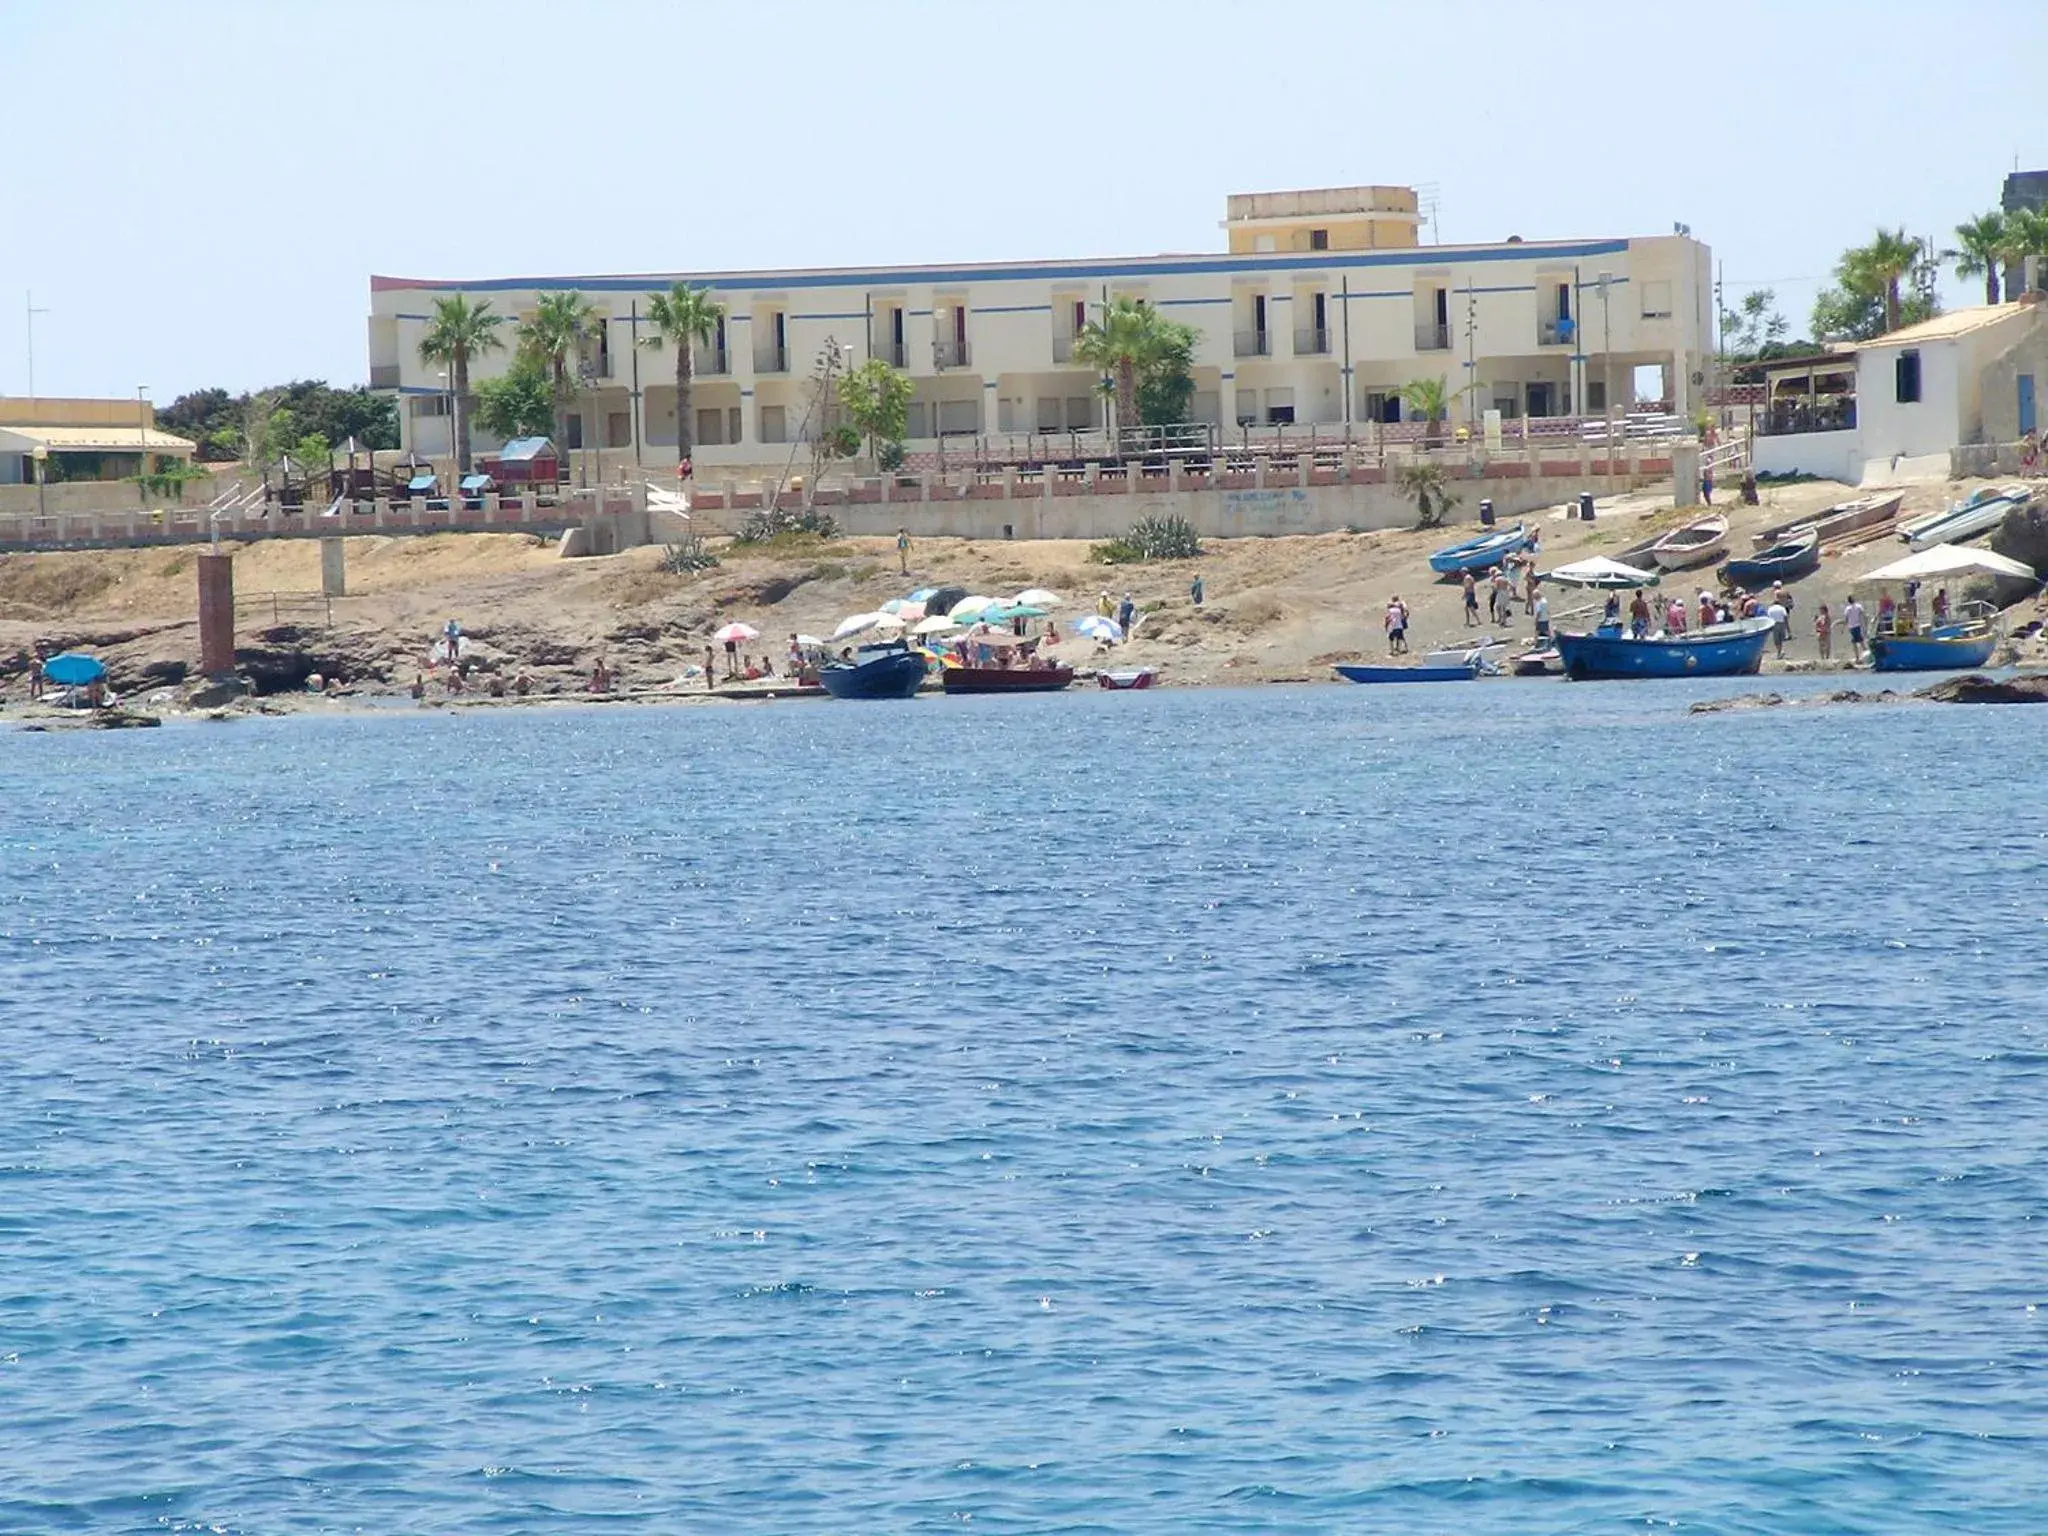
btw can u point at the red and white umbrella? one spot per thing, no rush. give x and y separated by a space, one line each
736 633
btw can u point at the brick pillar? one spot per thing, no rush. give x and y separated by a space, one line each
216 615
334 565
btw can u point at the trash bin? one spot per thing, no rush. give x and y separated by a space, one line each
1486 511
1585 506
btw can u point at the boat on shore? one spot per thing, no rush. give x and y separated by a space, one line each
1005 679
1419 674
1481 551
1719 650
1697 543
1979 512
1958 644
1482 651
1833 522
887 671
1794 556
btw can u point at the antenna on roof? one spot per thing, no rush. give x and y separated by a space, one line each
1426 200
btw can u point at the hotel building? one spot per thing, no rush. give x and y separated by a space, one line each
1322 306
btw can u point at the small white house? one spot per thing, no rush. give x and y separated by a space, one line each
1968 377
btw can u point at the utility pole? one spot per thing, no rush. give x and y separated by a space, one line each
1471 353
633 320
1606 281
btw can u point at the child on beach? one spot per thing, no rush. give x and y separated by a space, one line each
1823 632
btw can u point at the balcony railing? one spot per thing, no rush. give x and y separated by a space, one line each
771 359
384 376
1557 333
1063 349
709 360
950 352
1254 344
890 352
1432 338
1312 342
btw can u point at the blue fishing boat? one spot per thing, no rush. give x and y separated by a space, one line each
1476 554
1459 674
1959 644
1979 512
890 671
1794 556
1719 650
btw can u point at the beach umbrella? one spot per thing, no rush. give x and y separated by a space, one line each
1037 597
969 608
937 624
736 633
1095 627
1023 611
910 612
922 594
74 669
809 642
858 623
1601 572
1949 560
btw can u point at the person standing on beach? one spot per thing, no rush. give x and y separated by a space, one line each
1471 601
1396 622
1781 626
1852 620
710 669
1196 589
903 550
1542 614
1104 608
1126 612
1823 632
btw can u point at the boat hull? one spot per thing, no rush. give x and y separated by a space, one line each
1355 674
1723 650
1006 679
1143 677
895 676
1787 563
1477 554
1701 543
1931 653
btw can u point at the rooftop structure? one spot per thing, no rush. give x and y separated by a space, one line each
82 439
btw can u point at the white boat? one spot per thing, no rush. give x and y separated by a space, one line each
1483 655
1978 513
1697 543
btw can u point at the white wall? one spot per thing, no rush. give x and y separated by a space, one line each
1932 425
1831 455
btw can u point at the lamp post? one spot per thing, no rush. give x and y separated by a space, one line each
1606 285
41 455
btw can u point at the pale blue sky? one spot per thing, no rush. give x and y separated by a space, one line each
198 193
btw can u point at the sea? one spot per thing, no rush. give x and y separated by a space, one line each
1482 1109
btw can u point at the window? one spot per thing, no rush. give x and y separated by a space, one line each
1080 413
429 405
575 426
918 420
1906 375
1049 419
732 424
1657 301
1319 239
618 429
1596 394
710 426
774 424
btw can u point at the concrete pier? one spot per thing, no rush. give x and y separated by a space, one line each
216 614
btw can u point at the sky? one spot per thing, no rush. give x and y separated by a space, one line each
197 194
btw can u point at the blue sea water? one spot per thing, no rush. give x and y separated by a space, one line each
1494 1109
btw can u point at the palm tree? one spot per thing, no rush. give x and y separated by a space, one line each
1125 338
1883 264
1980 247
2027 236
461 330
1431 400
559 324
682 317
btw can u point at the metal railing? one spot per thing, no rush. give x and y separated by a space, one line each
950 352
771 358
891 352
1790 420
1254 343
1311 341
1556 333
1063 349
1432 338
709 360
384 376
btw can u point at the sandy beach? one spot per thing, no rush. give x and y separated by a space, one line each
1276 610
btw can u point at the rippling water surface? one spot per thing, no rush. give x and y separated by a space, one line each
1504 1109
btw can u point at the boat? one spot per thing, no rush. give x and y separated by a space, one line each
1794 556
1359 674
1483 652
1697 543
888 671
1831 523
1719 650
1978 513
1961 643
1133 677
1476 554
1536 663
1005 679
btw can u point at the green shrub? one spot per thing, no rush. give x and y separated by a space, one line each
1153 537
774 524
690 554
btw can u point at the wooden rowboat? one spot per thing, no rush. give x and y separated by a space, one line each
1697 543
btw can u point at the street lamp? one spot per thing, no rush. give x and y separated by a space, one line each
40 454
